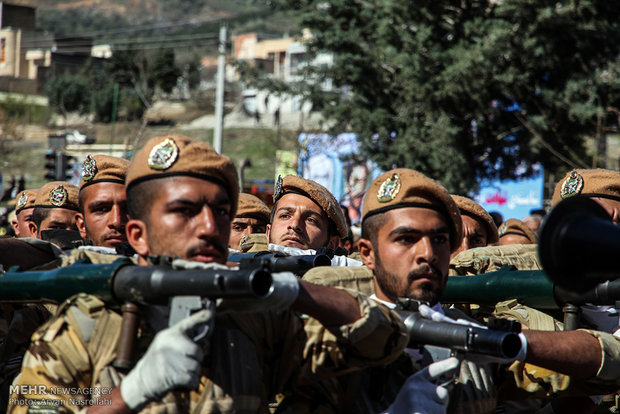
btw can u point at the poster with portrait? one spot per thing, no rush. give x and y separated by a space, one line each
335 162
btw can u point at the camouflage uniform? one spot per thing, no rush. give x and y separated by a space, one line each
491 258
250 357
251 243
19 321
479 386
537 381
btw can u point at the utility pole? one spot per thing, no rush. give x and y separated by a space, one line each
219 92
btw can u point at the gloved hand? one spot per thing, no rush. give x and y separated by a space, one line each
172 361
421 393
428 313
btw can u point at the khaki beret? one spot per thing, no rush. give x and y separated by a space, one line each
402 188
251 206
177 155
317 193
590 183
515 226
103 168
57 194
469 207
24 200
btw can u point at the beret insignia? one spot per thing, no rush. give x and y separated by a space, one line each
502 229
278 188
163 155
23 199
58 196
572 185
389 189
89 168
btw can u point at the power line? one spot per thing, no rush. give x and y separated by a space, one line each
144 40
144 27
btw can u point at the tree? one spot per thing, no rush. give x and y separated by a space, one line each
470 89
164 73
68 93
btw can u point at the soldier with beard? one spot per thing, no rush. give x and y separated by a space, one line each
181 197
410 226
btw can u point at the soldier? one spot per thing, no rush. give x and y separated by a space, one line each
181 196
479 229
534 220
103 203
305 215
252 217
55 207
603 186
24 208
410 225
514 231
306 219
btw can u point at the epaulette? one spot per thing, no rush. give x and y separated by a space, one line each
256 242
87 305
490 258
359 278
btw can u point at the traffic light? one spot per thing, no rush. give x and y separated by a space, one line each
51 165
58 165
67 167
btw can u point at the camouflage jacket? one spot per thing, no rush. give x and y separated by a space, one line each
478 389
250 358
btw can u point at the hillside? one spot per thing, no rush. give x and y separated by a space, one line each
102 17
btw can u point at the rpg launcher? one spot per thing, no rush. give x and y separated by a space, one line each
578 249
579 244
298 265
500 339
530 287
124 283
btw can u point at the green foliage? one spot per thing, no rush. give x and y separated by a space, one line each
15 109
164 73
93 89
69 93
469 89
77 20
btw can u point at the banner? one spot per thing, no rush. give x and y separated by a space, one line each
513 198
335 163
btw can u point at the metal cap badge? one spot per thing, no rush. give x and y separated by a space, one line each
89 168
278 188
502 229
389 189
23 199
572 185
163 155
58 196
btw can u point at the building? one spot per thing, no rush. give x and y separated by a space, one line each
281 58
28 57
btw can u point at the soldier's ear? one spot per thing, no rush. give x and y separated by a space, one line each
367 252
267 231
81 224
33 229
137 237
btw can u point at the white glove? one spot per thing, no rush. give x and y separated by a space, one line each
172 361
420 394
428 313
